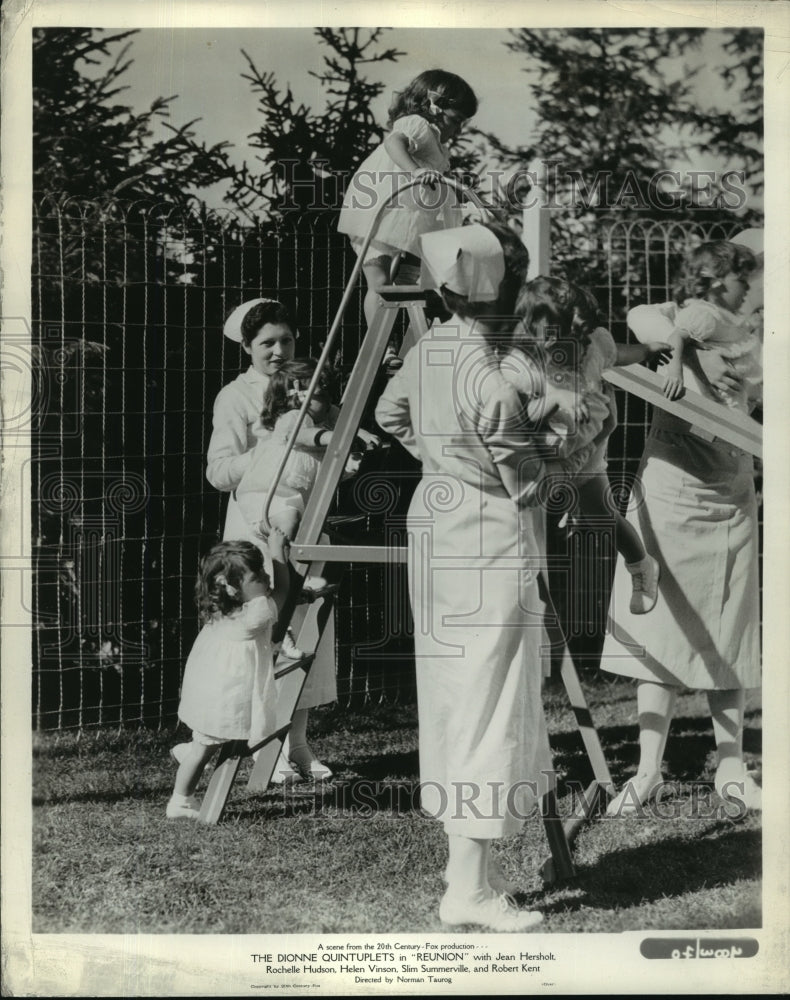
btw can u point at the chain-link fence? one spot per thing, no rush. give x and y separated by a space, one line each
128 307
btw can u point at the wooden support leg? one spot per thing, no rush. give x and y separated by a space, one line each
222 779
290 676
561 859
584 723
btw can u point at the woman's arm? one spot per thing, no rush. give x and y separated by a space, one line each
636 354
393 412
512 446
228 455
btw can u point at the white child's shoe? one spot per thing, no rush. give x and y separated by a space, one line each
498 912
303 760
644 580
183 807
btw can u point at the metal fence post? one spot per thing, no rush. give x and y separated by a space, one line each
536 220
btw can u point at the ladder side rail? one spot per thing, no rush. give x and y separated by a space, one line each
454 185
334 461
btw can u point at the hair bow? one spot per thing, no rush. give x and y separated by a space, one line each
467 260
433 102
222 580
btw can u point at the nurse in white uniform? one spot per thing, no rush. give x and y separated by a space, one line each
484 753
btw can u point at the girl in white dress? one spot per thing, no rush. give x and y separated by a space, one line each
282 401
714 289
699 515
228 688
423 118
574 352
473 547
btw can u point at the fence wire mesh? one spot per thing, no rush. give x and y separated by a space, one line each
129 302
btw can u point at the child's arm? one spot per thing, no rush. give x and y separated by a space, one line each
364 441
651 350
278 547
397 145
673 386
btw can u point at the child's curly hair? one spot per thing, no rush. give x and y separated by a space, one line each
570 311
436 87
705 266
222 568
292 377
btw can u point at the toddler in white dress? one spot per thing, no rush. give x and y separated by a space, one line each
715 285
572 354
228 689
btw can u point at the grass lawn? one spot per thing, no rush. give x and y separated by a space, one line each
356 855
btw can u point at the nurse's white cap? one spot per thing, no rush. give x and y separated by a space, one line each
468 260
232 327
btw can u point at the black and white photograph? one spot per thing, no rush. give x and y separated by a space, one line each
394 495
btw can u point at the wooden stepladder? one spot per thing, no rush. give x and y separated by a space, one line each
312 556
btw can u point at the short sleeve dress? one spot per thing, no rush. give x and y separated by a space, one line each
299 474
228 689
418 210
732 337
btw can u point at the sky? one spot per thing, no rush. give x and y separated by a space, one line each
204 67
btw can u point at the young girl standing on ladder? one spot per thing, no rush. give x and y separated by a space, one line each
429 113
228 691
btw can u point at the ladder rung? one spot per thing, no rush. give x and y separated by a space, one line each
402 293
290 665
349 553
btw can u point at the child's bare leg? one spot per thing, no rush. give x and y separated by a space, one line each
191 767
593 504
732 782
287 520
376 275
193 758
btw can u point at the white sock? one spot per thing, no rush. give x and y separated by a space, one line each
180 800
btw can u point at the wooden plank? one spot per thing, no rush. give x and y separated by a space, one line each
555 834
213 805
348 553
714 419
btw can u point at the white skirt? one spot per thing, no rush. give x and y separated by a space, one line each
484 751
698 518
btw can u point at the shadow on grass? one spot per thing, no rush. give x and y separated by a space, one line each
631 876
690 741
